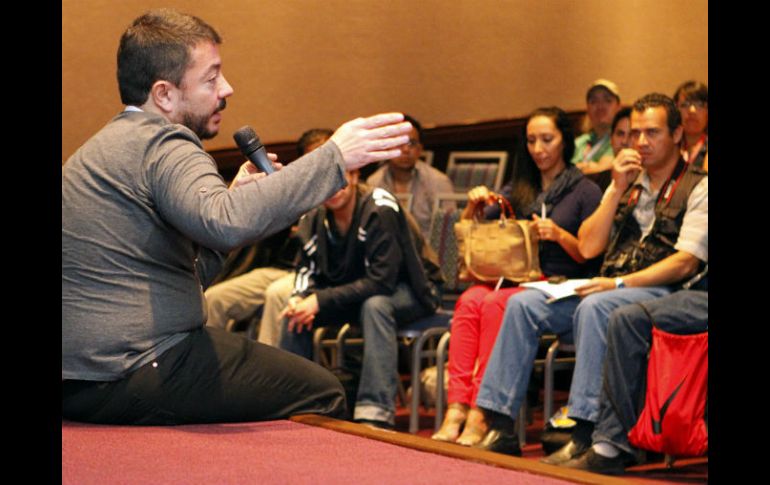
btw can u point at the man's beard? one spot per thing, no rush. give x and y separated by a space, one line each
199 123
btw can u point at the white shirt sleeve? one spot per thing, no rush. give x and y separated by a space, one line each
694 234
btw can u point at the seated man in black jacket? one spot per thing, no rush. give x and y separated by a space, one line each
363 261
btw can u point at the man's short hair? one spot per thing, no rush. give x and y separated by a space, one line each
415 123
156 47
655 100
312 136
622 113
692 91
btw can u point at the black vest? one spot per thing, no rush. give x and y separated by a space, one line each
626 253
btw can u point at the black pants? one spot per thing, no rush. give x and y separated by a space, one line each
211 376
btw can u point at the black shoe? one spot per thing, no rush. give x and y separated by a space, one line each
592 461
573 449
500 442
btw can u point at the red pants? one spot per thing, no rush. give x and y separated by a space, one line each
477 317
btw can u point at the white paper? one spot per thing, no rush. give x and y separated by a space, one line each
556 291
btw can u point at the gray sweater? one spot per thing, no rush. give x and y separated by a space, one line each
146 219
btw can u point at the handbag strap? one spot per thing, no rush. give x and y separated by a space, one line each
506 210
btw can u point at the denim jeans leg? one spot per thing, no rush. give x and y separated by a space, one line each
297 343
379 370
629 335
590 330
527 316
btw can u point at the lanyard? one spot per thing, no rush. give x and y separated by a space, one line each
690 154
589 151
668 189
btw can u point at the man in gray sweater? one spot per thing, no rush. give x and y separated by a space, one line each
146 224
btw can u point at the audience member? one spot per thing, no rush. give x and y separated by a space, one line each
692 98
602 102
239 298
629 333
620 138
146 223
407 174
541 176
363 261
653 224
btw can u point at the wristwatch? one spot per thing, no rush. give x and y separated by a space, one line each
619 282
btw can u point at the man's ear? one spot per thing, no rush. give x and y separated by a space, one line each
678 133
165 96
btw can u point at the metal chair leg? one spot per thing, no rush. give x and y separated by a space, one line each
441 357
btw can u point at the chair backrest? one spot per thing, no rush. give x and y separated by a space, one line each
427 156
470 169
443 240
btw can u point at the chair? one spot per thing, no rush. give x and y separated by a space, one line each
343 337
427 156
420 332
470 169
250 323
444 242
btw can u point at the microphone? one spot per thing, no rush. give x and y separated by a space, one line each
253 149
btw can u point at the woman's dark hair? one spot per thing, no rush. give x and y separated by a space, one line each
526 182
692 91
621 114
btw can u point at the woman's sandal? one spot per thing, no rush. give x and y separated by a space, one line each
453 421
475 428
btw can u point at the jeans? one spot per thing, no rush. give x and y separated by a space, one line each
379 317
210 376
527 316
625 368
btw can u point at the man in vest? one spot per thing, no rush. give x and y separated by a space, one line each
363 261
653 224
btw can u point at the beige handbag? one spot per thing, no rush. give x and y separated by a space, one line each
489 250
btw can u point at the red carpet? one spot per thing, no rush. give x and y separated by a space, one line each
264 453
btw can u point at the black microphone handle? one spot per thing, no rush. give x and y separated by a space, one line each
259 158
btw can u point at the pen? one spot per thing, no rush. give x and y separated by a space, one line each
542 210
499 283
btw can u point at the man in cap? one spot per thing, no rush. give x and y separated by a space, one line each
602 102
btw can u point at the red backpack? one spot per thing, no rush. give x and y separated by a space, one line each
673 419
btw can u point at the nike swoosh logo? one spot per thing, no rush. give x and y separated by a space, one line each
657 425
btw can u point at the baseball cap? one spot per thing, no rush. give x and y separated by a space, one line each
606 84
